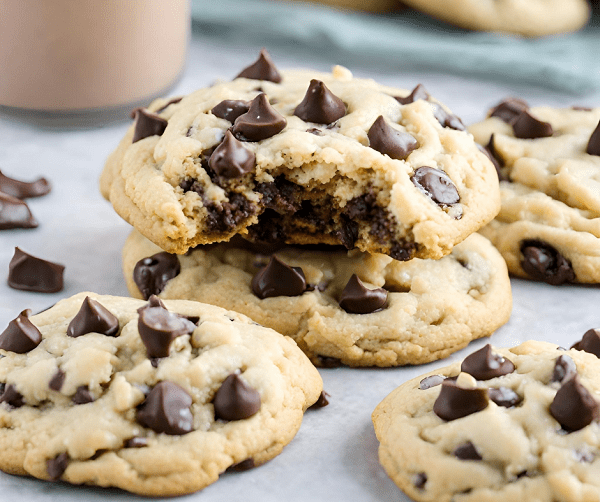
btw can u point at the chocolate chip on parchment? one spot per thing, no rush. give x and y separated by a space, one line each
14 213
262 69
93 318
593 146
320 105
543 262
147 124
503 396
466 451
278 279
230 109
21 336
167 409
389 141
484 364
82 395
417 93
57 380
590 342
244 465
11 396
436 184
158 328
261 121
321 402
573 406
564 368
29 273
430 381
231 159
526 126
57 466
235 399
151 274
357 299
509 109
21 189
457 402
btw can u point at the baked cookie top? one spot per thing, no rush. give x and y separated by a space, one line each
302 157
518 424
354 308
154 398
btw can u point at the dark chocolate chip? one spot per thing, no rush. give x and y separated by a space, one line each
417 93
503 396
436 184
167 409
244 465
467 451
593 146
82 395
509 109
261 121
315 131
262 69
457 402
22 189
320 105
347 233
93 318
28 273
11 396
147 124
564 368
327 362
14 213
235 399
57 380
167 104
158 328
278 279
573 406
321 402
154 301
430 381
419 480
151 274
21 335
230 109
543 262
526 126
231 159
357 299
483 364
590 342
136 442
57 466
447 119
389 141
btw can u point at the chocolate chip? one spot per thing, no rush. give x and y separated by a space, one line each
244 465
590 342
82 395
261 121
389 141
467 451
158 328
320 105
457 402
151 274
347 233
278 279
167 409
430 381
509 109
564 368
231 159
57 466
327 362
57 380
11 396
526 126
436 184
483 364
447 119
417 93
93 318
28 273
147 124
419 480
230 109
169 103
357 299
262 69
573 406
321 402
503 396
315 131
14 213
22 189
543 262
235 399
21 335
136 442
593 146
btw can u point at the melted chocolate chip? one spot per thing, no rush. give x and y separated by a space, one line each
278 279
593 146
136 442
321 402
573 406
503 396
457 402
167 409
357 299
590 342
262 69
231 159
28 273
320 105
57 466
389 141
466 451
158 328
564 368
244 465
483 364
82 395
436 184
151 274
230 109
147 124
22 189
447 119
509 109
261 121
417 93
526 126
419 480
57 380
543 262
235 399
21 335
93 318
430 381
14 213
12 396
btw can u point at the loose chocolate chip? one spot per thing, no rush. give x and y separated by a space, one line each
593 146
244 465
82 395
526 126
93 318
590 342
230 109
503 396
14 213
357 299
320 105
278 279
231 159
147 124
57 380
158 328
321 402
417 93
28 273
543 262
261 121
151 274
419 480
262 69
457 402
235 399
447 119
573 406
430 381
509 109
11 396
22 189
167 409
467 451
564 368
483 364
21 335
136 442
389 141
57 466
436 184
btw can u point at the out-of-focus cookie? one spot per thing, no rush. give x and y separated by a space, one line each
364 5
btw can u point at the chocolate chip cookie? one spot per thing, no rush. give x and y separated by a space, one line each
157 398
304 158
344 307
516 425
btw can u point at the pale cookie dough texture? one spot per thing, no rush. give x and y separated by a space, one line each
434 307
310 180
548 228
530 18
94 408
535 437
